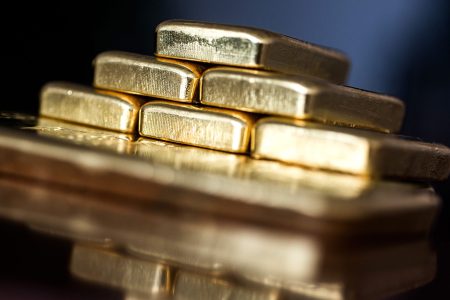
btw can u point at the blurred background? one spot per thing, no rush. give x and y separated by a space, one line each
397 47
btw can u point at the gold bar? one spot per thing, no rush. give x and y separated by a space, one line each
258 197
110 268
195 286
84 105
299 97
147 75
206 127
248 47
84 135
348 150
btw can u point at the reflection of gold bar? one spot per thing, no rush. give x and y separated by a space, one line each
213 128
294 178
348 150
184 157
371 272
299 97
222 244
113 269
248 47
83 135
194 286
146 75
84 105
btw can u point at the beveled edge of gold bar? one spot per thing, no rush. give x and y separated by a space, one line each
305 98
188 75
107 266
264 49
379 155
119 112
243 120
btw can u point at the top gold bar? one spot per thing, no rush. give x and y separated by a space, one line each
147 75
248 47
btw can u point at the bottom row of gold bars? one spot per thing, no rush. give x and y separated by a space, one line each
220 101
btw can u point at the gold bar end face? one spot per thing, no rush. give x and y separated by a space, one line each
147 75
205 127
85 105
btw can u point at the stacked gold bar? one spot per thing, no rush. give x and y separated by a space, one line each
272 99
270 116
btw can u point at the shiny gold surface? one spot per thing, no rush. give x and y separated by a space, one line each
260 190
376 272
110 268
146 75
248 47
300 97
189 286
83 135
84 105
206 127
183 157
241 247
348 150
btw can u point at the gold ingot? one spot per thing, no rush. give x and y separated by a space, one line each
147 75
85 105
84 135
300 97
348 150
196 286
110 268
261 191
248 47
213 128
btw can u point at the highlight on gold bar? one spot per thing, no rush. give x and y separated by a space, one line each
348 150
213 128
85 105
299 97
147 75
84 135
189 285
248 47
184 157
107 267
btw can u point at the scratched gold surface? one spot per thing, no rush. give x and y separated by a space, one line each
147 75
248 47
348 150
85 105
213 128
299 97
110 268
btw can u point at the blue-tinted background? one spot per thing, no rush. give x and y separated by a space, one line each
398 47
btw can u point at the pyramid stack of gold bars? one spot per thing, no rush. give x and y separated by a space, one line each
305 191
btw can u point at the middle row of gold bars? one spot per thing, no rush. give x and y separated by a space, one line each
248 91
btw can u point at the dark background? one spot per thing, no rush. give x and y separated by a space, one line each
399 47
